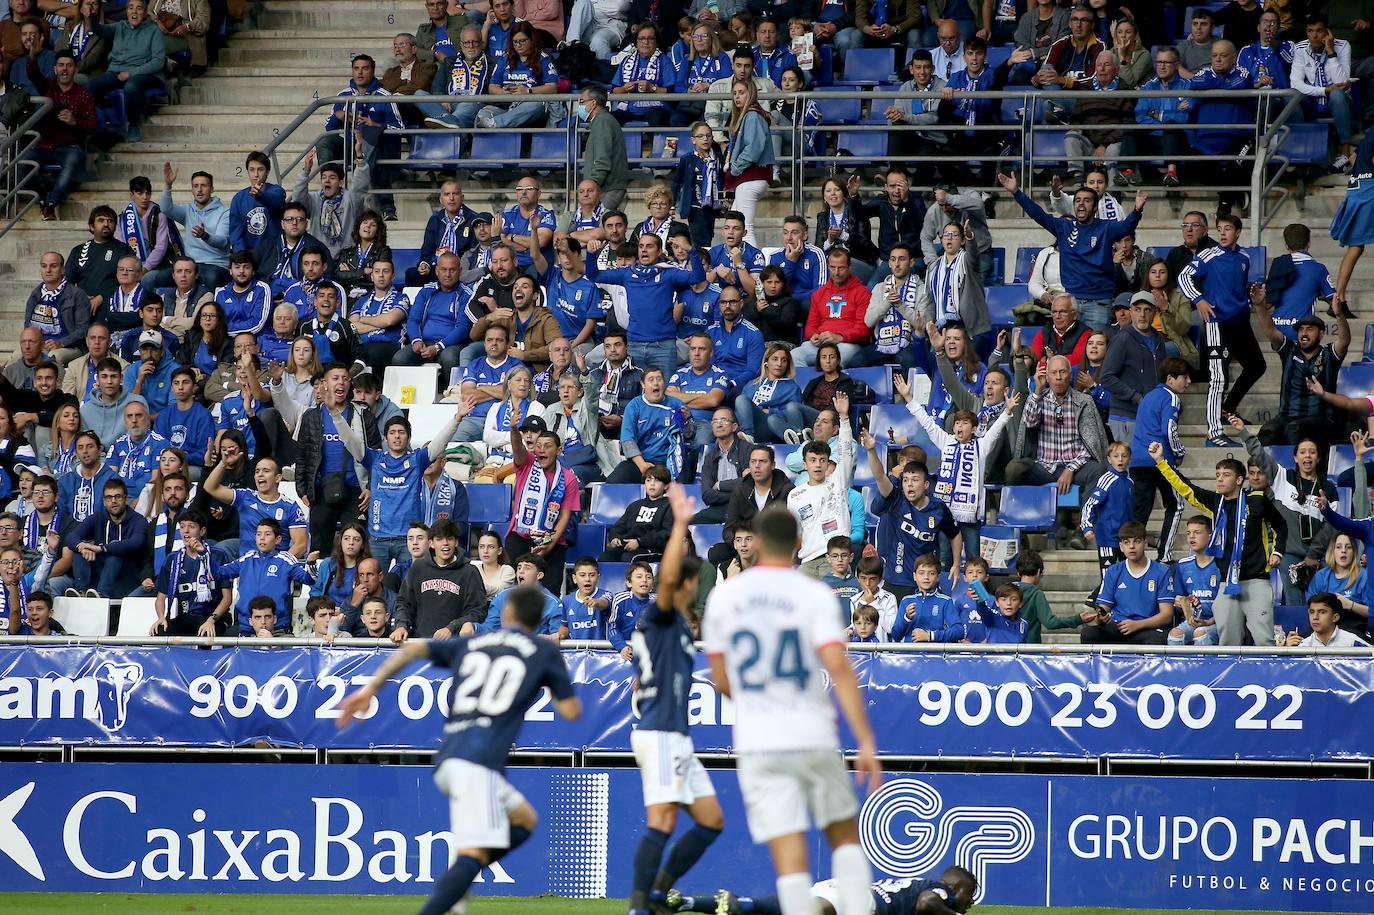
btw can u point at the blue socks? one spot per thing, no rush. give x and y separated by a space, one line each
647 859
452 886
519 835
685 852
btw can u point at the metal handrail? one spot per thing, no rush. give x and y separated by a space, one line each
1267 133
19 171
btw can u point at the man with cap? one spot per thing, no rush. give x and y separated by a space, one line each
1302 413
547 496
476 259
151 376
1130 370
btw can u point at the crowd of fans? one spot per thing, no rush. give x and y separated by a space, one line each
188 358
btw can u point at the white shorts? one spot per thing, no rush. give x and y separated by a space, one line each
669 768
785 792
480 802
828 891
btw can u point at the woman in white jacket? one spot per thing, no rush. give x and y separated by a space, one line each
515 388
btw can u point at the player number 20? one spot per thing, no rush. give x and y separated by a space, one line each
787 664
489 686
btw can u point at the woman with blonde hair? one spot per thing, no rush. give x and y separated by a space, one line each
704 64
1137 66
57 458
749 157
516 388
771 403
659 199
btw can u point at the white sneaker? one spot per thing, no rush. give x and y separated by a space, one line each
792 437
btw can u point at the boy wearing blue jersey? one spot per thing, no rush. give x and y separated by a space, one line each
910 523
673 777
489 817
929 615
267 570
1003 621
186 423
529 573
1157 421
1107 509
1196 582
585 609
1137 597
839 552
629 605
863 623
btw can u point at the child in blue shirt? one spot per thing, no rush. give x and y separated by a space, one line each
186 423
864 624
839 552
270 571
1156 420
1108 508
628 606
1136 602
1003 621
1296 280
1196 580
586 608
929 615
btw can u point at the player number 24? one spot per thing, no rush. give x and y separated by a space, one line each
787 664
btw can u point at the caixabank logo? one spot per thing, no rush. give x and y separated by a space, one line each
908 831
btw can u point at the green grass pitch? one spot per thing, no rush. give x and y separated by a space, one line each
159 904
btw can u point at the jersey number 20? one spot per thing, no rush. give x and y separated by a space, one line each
497 679
787 664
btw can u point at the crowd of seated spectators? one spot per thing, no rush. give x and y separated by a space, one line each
197 396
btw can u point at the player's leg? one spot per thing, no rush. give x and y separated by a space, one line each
489 819
724 902
849 864
661 821
793 868
662 785
776 805
688 849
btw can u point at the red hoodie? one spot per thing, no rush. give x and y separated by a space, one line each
840 310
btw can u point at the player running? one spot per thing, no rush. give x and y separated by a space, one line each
496 677
673 777
772 633
953 892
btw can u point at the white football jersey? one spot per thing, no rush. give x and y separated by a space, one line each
768 623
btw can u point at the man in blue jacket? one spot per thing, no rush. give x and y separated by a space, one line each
437 326
369 118
205 221
1085 248
1224 73
650 287
1216 281
108 546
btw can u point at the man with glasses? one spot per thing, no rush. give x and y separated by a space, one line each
528 224
1065 336
466 73
105 548
1072 57
1070 442
11 538
1161 112
410 76
278 260
736 344
724 466
1195 241
947 55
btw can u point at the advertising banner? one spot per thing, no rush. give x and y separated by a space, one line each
1032 840
1249 707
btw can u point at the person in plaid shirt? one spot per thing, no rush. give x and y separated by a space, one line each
1063 432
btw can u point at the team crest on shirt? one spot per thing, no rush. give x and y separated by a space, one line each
1151 585
109 255
1213 581
836 305
930 522
281 513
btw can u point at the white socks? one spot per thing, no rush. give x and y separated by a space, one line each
853 879
794 895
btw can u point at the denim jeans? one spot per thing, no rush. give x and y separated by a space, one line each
662 353
519 114
753 421
388 549
133 88
1095 313
464 114
72 160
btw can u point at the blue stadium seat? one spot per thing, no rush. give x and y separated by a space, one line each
403 259
868 67
693 491
495 148
999 54
488 503
1258 260
684 143
839 110
805 373
1029 508
1367 350
1344 495
634 142
877 377
1305 144
550 146
863 474
896 418
1001 301
705 536
1341 459
1356 379
863 145
781 452
823 70
1025 260
591 540
1160 251
1282 455
1048 148
613 576
437 148
999 266
609 501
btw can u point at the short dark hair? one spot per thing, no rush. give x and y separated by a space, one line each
635 566
526 604
974 43
140 184
1232 220
443 528
743 51
1132 530
317 603
1233 465
1029 562
98 211
65 53
262 602
397 420
772 455
116 483
839 542
658 472
587 562
367 57
335 167
1315 19
241 257
1172 367
777 528
1007 589
1296 236
195 516
920 54
43 597
90 434
815 447
869 565
533 559
259 157
1325 599
203 174
44 479
272 524
184 370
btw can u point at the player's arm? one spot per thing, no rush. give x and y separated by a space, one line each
570 708
719 676
356 703
670 567
932 903
851 702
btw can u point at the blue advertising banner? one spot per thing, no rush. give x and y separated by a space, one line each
1032 840
1253 707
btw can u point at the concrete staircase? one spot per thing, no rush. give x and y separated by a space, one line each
299 50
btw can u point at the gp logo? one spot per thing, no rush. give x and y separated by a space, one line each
907 832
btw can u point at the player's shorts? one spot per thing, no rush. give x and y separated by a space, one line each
785 792
828 891
480 802
669 768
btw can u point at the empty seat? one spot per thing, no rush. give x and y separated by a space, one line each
609 501
863 145
705 536
494 149
1029 508
893 422
84 615
868 67
408 385
434 150
1025 260
839 110
877 377
1001 301
488 503
136 616
1356 379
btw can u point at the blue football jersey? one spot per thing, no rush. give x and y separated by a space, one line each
664 652
584 622
496 678
1198 583
898 897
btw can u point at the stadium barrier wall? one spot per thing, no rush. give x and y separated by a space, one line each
1220 705
1032 840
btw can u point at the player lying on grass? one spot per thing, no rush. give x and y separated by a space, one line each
953 892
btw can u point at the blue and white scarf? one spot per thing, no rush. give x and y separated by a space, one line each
80 37
35 532
635 68
1216 545
286 267
894 332
133 231
449 240
946 286
879 11
763 394
590 220
166 540
23 603
1319 77
126 303
205 580
47 315
661 230
62 459
708 185
541 499
960 483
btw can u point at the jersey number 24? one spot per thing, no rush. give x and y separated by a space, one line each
787 663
